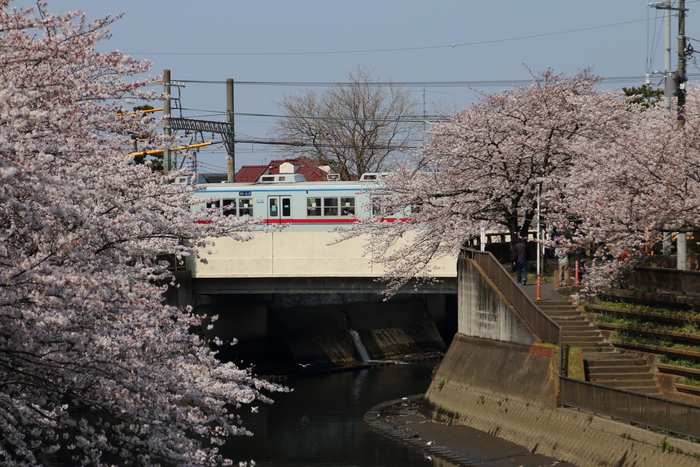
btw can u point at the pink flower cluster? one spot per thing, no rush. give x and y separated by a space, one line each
94 369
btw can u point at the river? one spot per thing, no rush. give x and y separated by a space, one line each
320 422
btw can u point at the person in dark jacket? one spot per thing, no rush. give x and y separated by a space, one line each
520 261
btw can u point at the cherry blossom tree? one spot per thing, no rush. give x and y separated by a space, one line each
483 167
94 369
624 192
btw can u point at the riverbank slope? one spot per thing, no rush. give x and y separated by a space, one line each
499 390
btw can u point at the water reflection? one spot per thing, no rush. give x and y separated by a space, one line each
320 423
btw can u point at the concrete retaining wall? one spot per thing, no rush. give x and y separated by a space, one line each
497 388
483 311
488 367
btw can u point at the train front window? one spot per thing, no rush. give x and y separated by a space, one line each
274 208
347 206
330 206
230 207
245 207
313 207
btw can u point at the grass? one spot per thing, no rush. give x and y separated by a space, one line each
684 362
574 364
614 318
663 341
649 309
690 381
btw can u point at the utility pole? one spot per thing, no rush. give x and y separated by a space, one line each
231 149
674 85
681 243
166 121
669 81
682 77
225 129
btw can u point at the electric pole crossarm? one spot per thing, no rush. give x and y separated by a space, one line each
665 6
188 124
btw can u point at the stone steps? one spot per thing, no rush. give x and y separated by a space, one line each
604 364
631 373
583 332
576 331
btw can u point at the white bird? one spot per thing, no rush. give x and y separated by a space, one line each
254 409
303 365
429 443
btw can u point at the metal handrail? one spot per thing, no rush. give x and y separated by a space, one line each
636 407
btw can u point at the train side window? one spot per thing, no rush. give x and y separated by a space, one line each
313 207
347 206
330 206
229 207
214 204
245 207
286 207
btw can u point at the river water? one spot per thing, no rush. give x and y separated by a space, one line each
320 423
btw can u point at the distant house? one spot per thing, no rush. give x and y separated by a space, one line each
252 173
300 165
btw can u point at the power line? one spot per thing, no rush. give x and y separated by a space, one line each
396 49
412 84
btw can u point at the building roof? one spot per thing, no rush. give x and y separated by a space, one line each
301 165
250 173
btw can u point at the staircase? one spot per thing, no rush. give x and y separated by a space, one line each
602 362
623 372
575 330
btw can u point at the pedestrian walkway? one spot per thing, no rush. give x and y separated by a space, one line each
547 292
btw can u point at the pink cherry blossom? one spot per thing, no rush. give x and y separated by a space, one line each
94 369
484 166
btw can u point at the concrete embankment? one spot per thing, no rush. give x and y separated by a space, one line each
508 390
451 445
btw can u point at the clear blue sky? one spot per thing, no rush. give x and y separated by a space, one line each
318 41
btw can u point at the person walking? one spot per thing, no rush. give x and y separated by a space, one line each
562 254
520 261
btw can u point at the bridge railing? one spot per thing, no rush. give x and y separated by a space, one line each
644 409
544 326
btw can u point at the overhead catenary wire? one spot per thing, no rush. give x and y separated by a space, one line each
393 49
414 84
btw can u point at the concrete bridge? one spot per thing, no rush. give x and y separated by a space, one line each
298 294
301 262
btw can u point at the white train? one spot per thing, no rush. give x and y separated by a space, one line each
289 199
